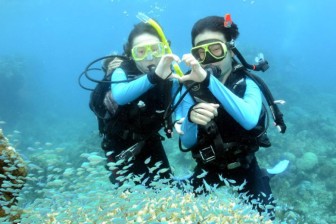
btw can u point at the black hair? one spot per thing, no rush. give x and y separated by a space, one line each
216 24
138 29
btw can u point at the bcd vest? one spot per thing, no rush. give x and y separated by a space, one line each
141 117
229 130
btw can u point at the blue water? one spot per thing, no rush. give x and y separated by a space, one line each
60 37
46 44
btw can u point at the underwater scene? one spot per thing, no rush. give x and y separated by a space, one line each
52 166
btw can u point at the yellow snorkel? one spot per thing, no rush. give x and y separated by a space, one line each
144 18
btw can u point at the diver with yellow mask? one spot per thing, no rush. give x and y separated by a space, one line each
225 120
130 104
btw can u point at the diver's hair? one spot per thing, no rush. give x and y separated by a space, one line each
138 29
215 24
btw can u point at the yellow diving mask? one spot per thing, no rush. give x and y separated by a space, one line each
209 51
148 51
156 26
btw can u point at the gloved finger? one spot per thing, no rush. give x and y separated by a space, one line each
204 113
178 126
115 63
198 118
198 121
211 107
187 59
169 58
174 76
185 78
163 69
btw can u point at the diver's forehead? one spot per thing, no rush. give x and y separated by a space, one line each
208 35
145 38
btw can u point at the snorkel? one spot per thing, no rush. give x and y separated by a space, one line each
144 18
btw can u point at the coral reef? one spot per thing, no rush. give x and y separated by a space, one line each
307 162
92 199
63 187
13 172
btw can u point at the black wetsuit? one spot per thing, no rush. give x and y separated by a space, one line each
138 122
224 148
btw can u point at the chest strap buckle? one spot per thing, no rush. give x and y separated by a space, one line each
207 154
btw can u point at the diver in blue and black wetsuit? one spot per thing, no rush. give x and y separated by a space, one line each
131 136
222 118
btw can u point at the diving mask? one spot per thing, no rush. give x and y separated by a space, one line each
209 51
148 51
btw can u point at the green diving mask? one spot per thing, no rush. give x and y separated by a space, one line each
209 51
148 51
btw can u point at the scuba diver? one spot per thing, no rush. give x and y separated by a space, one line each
130 104
223 121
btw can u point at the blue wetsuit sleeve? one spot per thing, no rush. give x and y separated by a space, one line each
126 92
246 110
189 138
176 93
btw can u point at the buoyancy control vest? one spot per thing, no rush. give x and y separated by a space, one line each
137 119
141 117
224 130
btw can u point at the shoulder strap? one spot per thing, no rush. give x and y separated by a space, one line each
275 111
168 100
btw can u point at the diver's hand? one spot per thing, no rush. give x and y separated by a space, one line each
197 74
203 113
115 63
163 69
178 126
